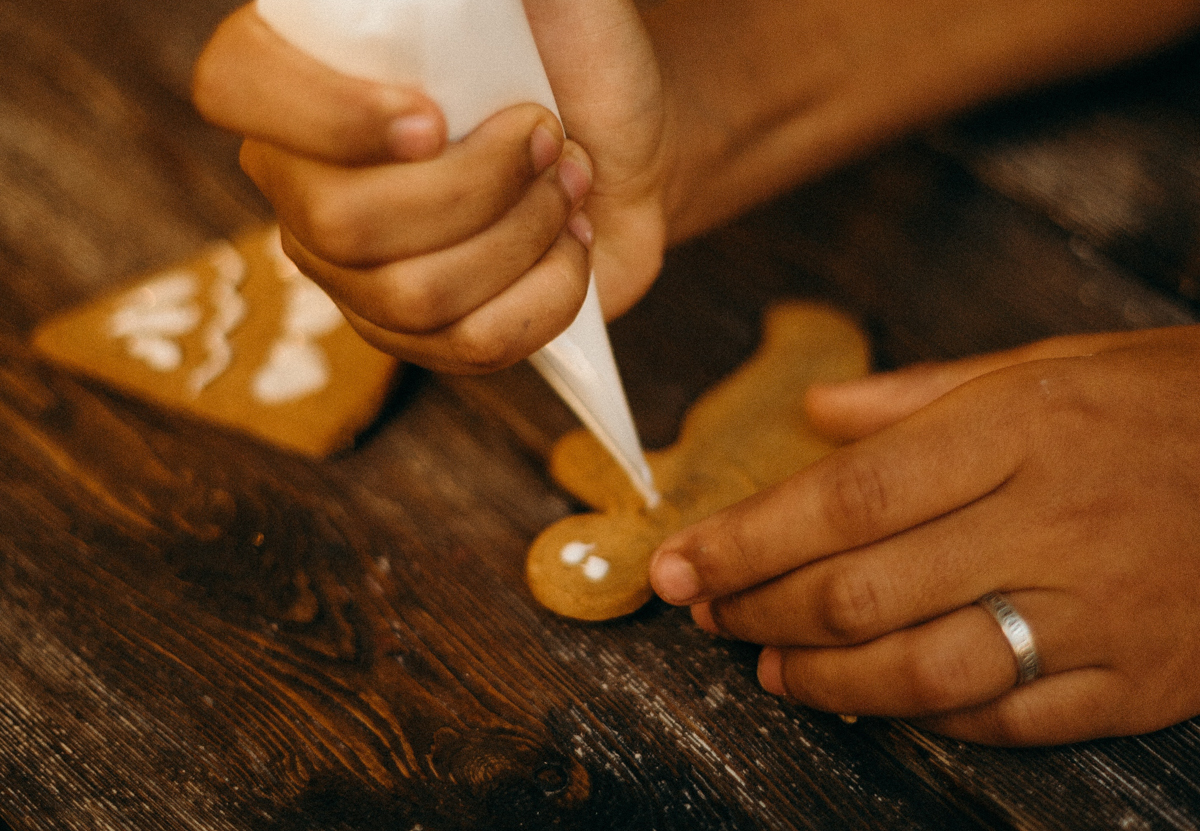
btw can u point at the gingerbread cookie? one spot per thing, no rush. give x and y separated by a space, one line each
747 433
237 336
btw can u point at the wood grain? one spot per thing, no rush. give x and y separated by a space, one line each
200 632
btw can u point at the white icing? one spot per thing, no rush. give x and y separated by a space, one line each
580 554
297 366
310 312
574 553
596 568
230 311
159 353
155 313
133 321
152 316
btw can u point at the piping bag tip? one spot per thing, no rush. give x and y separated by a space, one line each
579 365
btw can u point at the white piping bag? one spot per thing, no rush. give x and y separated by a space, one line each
474 57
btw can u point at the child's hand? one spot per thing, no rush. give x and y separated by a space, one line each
1065 475
469 256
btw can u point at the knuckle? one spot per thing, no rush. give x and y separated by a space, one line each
500 150
254 158
414 305
850 606
1057 402
737 549
212 85
293 251
481 350
310 266
1013 721
856 498
332 228
565 267
471 194
543 217
730 615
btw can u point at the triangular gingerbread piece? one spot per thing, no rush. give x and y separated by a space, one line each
237 336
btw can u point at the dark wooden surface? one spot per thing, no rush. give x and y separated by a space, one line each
201 632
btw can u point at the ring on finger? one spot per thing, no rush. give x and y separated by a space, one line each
1018 634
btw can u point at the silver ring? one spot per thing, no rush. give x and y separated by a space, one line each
1018 633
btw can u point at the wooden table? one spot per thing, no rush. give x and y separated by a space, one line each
198 631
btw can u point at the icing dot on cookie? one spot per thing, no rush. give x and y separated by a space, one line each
596 568
574 553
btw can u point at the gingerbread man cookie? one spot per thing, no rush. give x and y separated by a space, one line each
238 336
747 433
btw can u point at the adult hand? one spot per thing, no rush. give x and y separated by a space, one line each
467 256
1065 475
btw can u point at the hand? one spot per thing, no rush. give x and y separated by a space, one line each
469 256
1065 475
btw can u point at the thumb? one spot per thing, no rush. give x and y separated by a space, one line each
606 81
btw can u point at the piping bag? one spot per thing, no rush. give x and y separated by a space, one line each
474 57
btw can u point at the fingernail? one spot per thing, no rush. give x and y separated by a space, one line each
544 147
770 670
581 228
413 137
674 578
575 177
702 616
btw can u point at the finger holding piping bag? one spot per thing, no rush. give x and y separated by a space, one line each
453 257
474 59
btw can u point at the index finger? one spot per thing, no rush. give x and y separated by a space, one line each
944 456
253 82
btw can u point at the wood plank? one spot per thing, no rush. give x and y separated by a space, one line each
197 631
172 668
